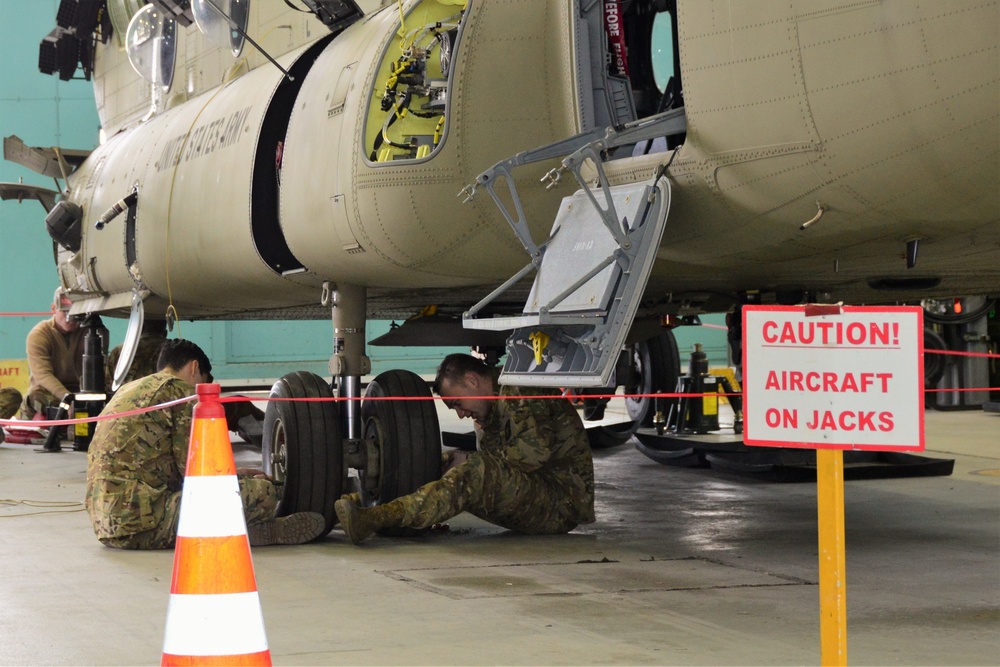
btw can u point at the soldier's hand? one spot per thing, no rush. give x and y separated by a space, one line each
453 457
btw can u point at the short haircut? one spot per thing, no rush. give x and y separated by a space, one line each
175 355
454 367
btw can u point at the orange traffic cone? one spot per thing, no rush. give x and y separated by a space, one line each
214 617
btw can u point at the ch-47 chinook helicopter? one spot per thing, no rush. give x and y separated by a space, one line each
302 159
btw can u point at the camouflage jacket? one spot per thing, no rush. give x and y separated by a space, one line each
135 463
546 436
147 352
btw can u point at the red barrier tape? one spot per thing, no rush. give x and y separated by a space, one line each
956 353
45 423
18 423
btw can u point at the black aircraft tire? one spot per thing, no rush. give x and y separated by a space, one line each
658 364
303 448
407 436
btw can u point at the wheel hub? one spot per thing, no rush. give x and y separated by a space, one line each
279 456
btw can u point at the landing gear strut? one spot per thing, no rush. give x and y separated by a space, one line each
310 447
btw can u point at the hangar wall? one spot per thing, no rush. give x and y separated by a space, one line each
44 111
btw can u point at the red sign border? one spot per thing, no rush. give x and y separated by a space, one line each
826 310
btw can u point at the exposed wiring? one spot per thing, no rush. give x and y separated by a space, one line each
434 30
398 111
437 130
410 70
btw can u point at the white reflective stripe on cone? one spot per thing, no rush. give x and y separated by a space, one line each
219 624
216 507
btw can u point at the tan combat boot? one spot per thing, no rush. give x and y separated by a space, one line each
297 528
360 522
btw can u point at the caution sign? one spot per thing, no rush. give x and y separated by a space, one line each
834 377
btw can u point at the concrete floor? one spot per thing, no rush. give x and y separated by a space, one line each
683 567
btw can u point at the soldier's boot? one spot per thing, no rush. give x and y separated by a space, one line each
297 528
360 522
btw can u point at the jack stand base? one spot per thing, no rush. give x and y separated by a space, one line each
725 452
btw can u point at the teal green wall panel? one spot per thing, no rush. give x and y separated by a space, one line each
43 111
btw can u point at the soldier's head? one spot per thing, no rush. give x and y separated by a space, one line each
465 384
60 311
185 360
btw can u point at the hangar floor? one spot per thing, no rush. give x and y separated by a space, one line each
684 566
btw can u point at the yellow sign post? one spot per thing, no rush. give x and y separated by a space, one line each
832 559
833 378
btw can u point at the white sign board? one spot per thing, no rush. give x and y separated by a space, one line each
834 377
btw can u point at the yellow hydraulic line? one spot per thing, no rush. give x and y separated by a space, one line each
832 562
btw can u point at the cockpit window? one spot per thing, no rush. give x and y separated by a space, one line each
151 36
662 50
121 12
213 19
408 108
151 45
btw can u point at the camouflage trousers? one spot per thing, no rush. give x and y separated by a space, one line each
495 491
10 402
37 401
260 500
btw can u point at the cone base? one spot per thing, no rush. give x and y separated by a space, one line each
260 658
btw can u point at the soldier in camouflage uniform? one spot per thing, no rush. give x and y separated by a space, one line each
533 472
10 402
136 464
147 351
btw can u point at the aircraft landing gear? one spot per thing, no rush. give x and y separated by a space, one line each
401 440
307 457
310 447
303 447
655 368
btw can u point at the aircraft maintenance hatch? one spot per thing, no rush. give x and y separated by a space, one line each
591 272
